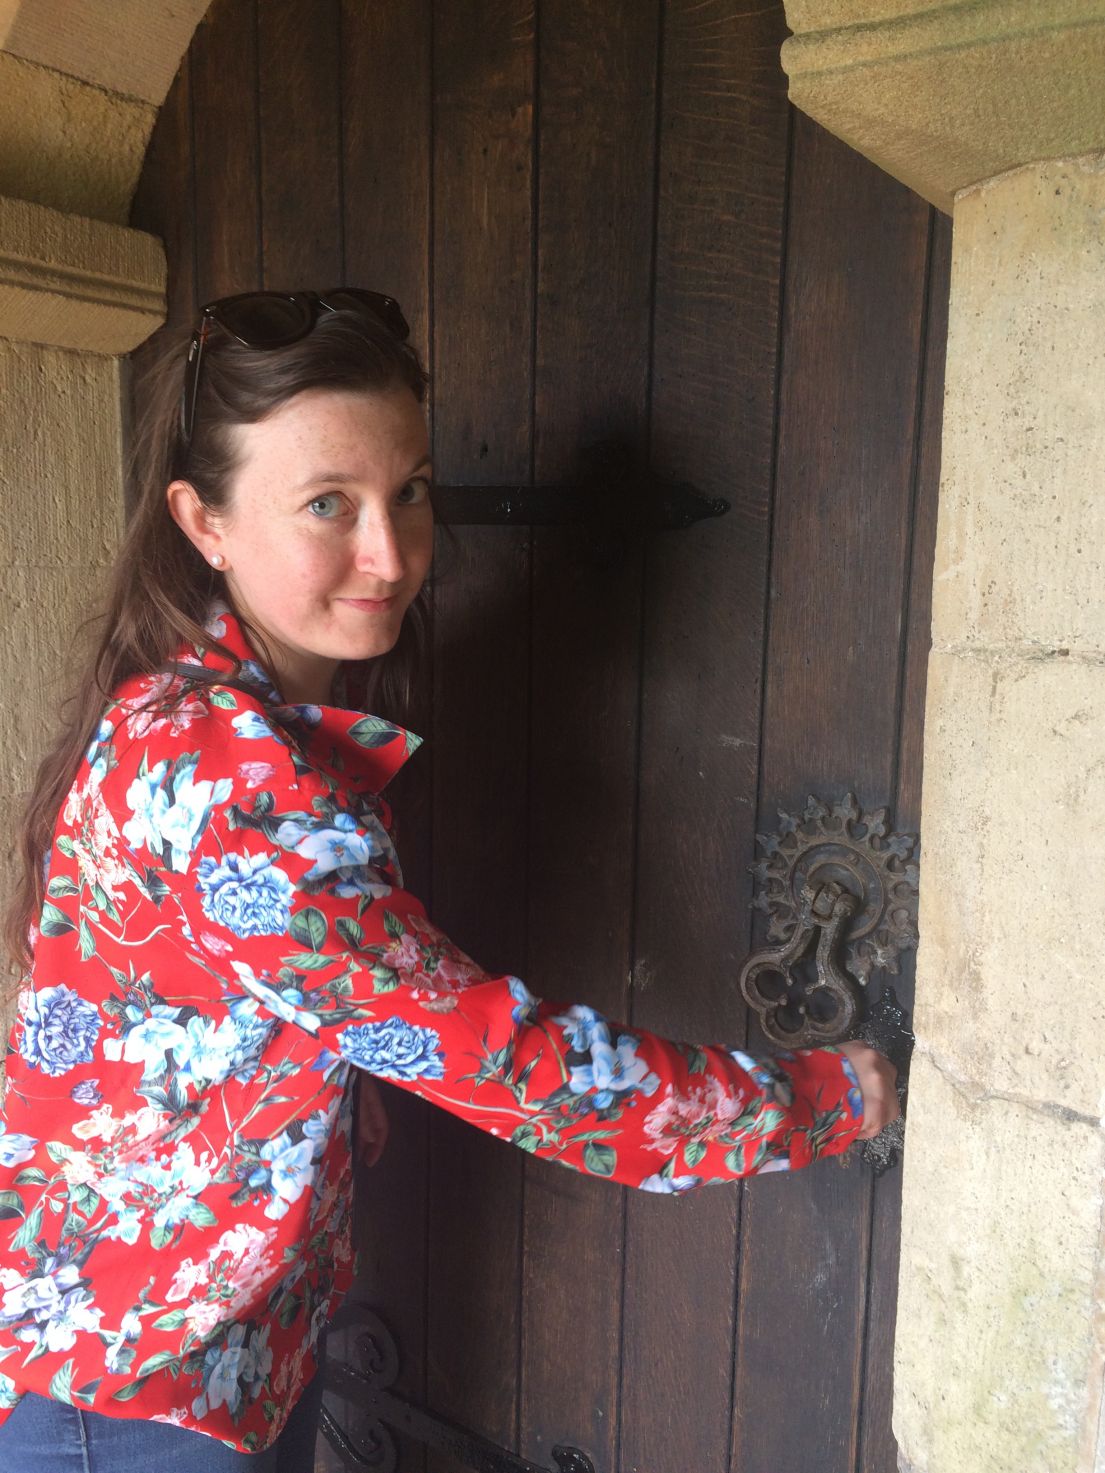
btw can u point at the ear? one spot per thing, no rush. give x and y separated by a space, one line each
195 521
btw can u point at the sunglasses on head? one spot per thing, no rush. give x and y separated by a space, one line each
273 320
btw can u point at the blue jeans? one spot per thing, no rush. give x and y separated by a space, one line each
47 1436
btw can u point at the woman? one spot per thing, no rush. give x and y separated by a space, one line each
215 936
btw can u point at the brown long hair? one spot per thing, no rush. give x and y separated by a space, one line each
160 585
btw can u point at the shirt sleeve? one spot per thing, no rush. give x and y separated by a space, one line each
297 902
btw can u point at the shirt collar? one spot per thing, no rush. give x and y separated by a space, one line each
362 751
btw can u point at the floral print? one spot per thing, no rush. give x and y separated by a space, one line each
226 935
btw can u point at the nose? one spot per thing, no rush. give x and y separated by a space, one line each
380 549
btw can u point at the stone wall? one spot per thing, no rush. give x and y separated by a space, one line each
1002 1251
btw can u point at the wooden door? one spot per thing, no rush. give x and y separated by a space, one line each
604 220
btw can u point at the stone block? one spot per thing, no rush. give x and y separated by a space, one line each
128 46
944 94
69 144
40 612
1020 554
998 1354
74 282
61 495
1012 914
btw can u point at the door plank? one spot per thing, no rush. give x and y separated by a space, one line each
719 240
483 59
300 143
223 58
596 105
385 170
853 297
878 1448
386 161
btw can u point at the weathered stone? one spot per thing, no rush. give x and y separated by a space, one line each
60 475
40 611
128 46
998 1356
71 282
67 144
1013 876
1021 549
944 94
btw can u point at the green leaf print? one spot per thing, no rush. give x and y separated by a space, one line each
88 941
171 1321
350 931
693 1153
61 1383
30 1230
372 731
55 922
61 885
308 927
11 1204
86 1394
600 1160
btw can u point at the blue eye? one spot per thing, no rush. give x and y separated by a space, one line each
328 504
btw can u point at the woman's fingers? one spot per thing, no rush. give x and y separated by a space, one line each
878 1085
372 1121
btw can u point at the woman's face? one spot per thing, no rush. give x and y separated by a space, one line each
329 530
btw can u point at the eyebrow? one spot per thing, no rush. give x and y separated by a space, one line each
344 478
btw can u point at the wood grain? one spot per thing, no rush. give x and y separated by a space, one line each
299 118
224 62
596 111
854 295
722 175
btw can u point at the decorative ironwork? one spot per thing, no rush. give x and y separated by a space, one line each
836 881
381 1412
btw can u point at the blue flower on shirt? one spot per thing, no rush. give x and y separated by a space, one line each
59 1030
246 893
15 1148
612 1071
234 1370
670 1186
526 1010
170 809
344 853
583 1027
53 1305
289 1168
252 725
394 1049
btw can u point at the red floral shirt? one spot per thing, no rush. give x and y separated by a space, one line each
225 935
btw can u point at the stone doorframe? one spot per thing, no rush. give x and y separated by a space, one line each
995 111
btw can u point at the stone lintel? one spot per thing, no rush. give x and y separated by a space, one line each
131 47
70 282
945 95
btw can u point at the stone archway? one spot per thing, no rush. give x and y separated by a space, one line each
1002 1256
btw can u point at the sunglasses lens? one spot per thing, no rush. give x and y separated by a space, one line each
266 320
387 309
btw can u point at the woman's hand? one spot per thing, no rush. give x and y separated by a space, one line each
372 1121
877 1077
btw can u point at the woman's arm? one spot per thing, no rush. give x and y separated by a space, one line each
295 904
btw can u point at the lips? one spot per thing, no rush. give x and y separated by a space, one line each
371 605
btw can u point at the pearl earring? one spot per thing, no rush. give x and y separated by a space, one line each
216 559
